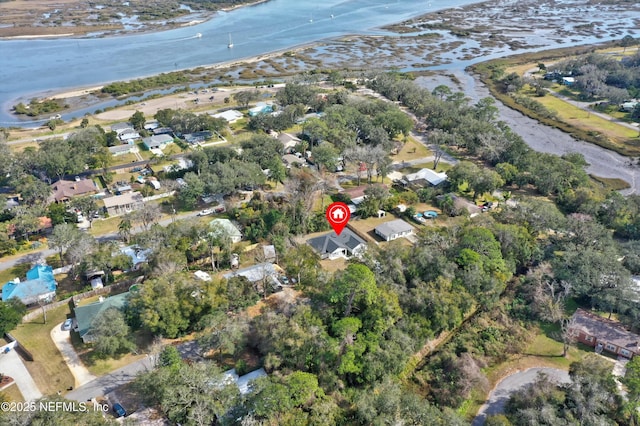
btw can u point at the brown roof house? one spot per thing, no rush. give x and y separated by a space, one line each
64 190
604 334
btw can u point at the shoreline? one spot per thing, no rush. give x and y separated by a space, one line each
78 91
205 15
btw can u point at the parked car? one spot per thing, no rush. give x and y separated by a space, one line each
67 324
205 212
119 410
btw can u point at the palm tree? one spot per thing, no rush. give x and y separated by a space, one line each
124 228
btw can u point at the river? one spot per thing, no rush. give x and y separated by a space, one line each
30 66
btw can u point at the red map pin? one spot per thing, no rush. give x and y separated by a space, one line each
338 214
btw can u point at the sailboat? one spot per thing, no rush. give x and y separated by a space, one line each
230 45
311 18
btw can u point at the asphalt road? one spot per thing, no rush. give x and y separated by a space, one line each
105 384
500 394
108 383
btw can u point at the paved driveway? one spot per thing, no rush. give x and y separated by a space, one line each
500 394
62 340
11 364
105 384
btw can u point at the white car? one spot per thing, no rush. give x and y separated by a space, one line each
67 324
205 212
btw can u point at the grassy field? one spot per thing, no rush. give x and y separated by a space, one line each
18 271
12 393
48 369
411 150
99 366
442 167
580 118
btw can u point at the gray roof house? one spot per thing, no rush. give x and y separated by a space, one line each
389 231
122 149
121 127
332 246
157 141
129 135
257 275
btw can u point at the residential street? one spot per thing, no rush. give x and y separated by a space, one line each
105 384
500 394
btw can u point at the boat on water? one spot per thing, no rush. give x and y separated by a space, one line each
199 35
230 45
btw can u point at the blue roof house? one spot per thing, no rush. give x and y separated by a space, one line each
39 285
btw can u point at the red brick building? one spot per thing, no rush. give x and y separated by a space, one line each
604 334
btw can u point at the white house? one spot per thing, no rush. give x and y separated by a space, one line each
121 127
225 226
137 254
426 175
124 203
157 141
123 149
231 115
389 231
259 275
129 136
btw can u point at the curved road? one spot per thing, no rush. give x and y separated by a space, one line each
500 394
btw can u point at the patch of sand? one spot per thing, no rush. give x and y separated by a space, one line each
75 93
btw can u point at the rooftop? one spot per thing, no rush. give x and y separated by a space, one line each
226 226
330 242
86 314
65 189
254 273
606 330
39 282
119 200
429 175
394 227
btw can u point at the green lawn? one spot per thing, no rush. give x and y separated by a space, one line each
48 369
411 150
18 271
586 120
12 393
105 226
99 366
